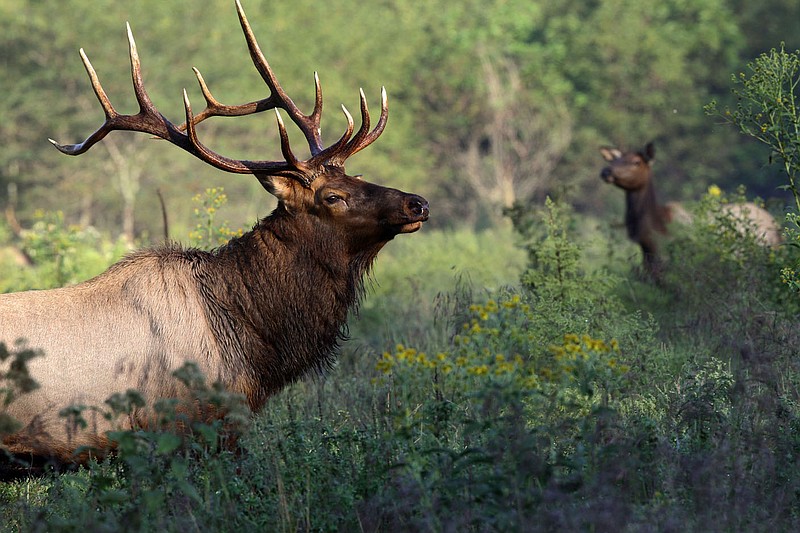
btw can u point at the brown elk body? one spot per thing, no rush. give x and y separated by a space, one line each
645 218
255 314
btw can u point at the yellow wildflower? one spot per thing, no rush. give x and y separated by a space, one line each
478 370
531 382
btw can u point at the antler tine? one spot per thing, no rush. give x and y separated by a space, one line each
148 120
108 109
364 137
308 124
286 149
204 153
244 166
362 131
214 108
146 107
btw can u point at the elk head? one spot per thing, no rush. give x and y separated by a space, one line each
367 214
629 170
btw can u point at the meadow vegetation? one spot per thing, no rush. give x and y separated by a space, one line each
546 392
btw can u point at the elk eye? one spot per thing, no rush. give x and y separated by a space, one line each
332 199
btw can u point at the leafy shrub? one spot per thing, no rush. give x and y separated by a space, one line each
208 233
62 254
517 407
716 268
417 280
768 110
495 349
159 476
557 392
703 403
15 381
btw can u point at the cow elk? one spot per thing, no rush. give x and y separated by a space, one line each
255 314
645 218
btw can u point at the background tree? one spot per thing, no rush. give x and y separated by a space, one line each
641 71
492 102
512 155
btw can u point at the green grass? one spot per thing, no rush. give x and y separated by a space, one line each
415 276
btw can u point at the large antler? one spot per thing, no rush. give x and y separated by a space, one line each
150 120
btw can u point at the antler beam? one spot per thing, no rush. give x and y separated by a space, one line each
150 120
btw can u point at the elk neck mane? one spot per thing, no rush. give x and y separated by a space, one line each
643 212
276 298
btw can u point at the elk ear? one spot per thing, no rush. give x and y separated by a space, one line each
279 186
610 154
649 152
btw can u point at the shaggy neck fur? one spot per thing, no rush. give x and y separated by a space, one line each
643 214
644 217
277 300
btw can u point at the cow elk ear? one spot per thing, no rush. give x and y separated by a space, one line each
649 152
610 154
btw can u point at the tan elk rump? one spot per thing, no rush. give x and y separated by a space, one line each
256 314
645 218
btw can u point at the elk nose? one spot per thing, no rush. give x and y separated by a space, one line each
418 206
605 174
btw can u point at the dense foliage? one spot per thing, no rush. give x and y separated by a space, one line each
580 397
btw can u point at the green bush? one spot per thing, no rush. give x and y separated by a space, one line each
418 278
62 254
208 233
160 476
15 381
768 110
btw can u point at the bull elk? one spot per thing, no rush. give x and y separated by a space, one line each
256 314
645 217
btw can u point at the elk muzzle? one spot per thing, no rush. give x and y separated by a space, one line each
416 210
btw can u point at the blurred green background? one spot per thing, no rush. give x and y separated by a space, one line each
492 102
